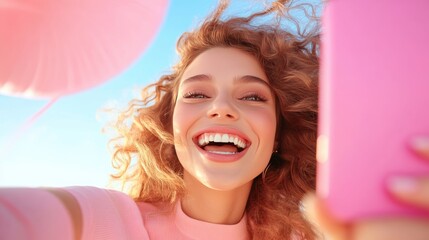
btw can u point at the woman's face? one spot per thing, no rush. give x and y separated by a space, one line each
224 121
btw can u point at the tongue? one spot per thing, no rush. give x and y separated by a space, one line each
222 148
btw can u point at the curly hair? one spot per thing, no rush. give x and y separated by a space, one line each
144 154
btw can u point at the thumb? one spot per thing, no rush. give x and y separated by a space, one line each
317 214
420 145
411 190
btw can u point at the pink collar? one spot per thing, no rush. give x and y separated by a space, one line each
196 229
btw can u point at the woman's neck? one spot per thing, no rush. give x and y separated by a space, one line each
214 206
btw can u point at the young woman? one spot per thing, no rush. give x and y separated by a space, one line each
226 143
227 139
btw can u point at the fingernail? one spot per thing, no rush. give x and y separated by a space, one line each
402 184
420 143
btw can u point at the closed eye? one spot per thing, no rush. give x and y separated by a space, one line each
195 95
254 97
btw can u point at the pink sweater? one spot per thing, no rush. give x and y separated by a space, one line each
42 214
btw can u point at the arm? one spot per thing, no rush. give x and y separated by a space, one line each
70 213
33 214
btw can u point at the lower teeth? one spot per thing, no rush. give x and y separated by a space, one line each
224 153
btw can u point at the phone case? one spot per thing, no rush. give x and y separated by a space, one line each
374 97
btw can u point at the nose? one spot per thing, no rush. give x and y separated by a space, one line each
222 107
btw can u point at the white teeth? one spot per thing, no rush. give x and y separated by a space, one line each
225 138
201 141
206 138
241 144
224 153
217 138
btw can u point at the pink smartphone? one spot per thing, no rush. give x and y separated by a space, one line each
374 97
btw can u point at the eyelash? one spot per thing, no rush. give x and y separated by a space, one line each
257 97
195 95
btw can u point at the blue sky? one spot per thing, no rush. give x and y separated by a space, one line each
66 146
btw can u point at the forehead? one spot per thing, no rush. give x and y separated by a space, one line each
225 63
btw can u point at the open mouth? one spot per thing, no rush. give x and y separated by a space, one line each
221 143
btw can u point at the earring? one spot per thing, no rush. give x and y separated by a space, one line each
275 156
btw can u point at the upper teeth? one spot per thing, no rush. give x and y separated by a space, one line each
206 138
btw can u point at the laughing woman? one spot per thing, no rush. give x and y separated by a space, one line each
224 146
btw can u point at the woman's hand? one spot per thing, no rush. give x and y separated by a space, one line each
410 190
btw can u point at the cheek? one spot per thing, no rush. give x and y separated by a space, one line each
264 123
180 121
269 127
183 118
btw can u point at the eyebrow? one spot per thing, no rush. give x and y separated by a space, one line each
197 78
242 79
251 78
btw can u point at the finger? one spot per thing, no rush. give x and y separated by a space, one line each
410 190
318 215
420 145
392 229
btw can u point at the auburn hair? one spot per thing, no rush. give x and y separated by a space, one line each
144 154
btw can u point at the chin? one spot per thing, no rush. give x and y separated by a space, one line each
224 183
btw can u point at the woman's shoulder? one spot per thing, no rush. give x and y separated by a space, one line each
90 193
88 212
148 209
99 202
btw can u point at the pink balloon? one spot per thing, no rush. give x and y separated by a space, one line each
50 48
